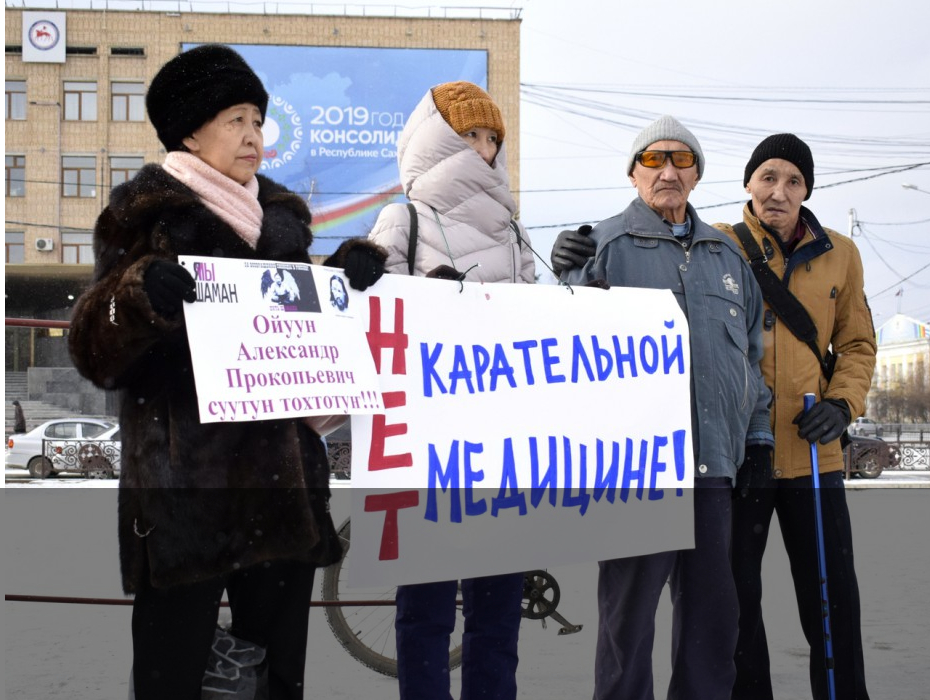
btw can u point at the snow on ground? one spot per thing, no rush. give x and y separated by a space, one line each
62 541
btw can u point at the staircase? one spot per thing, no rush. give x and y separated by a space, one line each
36 412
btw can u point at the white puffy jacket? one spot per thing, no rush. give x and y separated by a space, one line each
464 206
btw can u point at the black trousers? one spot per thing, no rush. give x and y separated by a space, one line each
704 611
173 628
492 607
793 500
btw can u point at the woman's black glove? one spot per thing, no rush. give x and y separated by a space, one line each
755 471
168 284
572 249
363 267
825 422
446 272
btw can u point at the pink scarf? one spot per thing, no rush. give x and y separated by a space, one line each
235 204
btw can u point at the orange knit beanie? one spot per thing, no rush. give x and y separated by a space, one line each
465 106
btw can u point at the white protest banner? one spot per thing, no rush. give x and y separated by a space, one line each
525 426
276 340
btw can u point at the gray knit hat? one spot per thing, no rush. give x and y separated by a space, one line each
665 129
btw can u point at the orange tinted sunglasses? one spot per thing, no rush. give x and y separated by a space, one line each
656 159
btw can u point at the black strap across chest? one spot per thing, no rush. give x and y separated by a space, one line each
412 238
785 304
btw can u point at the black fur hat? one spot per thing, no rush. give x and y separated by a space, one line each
195 86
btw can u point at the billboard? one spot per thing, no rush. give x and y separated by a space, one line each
333 119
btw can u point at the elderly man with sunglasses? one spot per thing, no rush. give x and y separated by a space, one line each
659 242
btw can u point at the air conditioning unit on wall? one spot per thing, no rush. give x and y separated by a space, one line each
45 244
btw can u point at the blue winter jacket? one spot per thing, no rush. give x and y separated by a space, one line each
723 304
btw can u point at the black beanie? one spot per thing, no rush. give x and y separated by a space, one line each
195 86
787 147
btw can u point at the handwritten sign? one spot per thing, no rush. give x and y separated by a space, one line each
276 340
524 426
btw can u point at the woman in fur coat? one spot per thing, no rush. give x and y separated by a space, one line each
203 508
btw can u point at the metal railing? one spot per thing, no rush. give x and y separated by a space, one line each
36 323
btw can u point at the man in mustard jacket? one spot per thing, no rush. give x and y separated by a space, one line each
824 272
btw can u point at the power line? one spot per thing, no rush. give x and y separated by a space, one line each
76 229
549 89
896 223
879 255
903 279
703 206
620 115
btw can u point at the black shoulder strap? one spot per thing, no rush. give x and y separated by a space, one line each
516 229
779 297
412 238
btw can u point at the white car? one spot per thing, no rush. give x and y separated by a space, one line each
865 426
25 450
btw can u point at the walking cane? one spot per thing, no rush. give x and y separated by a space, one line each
821 560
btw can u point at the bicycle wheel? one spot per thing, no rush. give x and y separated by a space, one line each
367 632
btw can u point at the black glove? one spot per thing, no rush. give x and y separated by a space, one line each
755 472
167 284
445 272
571 249
363 267
825 422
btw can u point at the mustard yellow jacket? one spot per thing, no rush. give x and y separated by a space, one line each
825 273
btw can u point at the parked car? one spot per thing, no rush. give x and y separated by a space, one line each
97 457
865 426
24 451
869 456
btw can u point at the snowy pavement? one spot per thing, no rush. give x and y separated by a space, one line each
60 540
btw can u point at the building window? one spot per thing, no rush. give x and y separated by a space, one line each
80 102
127 51
128 102
15 246
15 105
77 247
123 168
78 176
16 176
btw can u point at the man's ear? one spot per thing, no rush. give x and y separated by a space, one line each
632 179
191 144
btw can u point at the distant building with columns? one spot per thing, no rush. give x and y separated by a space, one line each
903 352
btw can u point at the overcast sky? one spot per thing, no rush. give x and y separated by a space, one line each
852 78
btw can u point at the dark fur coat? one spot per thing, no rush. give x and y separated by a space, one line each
195 500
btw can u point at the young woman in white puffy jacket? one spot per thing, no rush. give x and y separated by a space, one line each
452 168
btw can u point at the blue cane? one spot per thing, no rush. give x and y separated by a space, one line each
809 400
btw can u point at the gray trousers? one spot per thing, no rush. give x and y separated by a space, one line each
705 611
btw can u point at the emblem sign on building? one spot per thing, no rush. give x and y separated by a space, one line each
44 37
